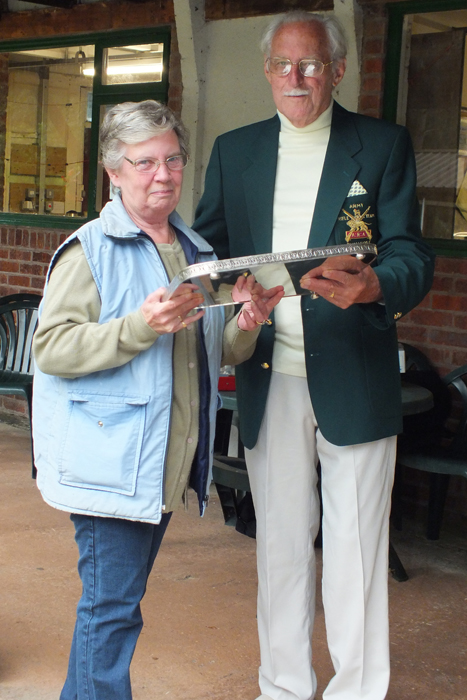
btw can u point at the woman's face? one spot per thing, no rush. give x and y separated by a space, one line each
150 197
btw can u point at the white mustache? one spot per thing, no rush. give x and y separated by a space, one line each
296 92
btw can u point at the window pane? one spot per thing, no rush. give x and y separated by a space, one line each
133 64
433 105
48 119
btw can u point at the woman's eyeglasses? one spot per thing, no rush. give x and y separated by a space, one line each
150 165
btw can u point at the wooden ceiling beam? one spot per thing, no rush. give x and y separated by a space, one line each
62 4
232 9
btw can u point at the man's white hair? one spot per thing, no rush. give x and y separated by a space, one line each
334 31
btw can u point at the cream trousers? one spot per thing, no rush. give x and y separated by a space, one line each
356 485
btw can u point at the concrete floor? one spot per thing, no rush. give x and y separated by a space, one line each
199 641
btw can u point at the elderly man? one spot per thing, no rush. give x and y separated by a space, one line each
323 384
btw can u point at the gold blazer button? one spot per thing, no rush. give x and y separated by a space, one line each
265 365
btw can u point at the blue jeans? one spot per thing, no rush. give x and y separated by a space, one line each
115 559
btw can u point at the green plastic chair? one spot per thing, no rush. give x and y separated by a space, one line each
446 459
18 321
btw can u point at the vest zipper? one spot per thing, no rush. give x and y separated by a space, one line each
164 469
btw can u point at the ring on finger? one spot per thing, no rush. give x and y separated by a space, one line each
182 322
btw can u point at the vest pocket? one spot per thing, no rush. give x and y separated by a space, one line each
102 442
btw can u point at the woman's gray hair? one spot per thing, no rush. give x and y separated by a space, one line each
130 123
334 31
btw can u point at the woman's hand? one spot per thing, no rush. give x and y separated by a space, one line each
255 312
243 288
171 316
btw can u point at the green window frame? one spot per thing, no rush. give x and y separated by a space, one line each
102 95
396 15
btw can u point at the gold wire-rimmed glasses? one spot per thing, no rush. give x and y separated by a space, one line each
308 67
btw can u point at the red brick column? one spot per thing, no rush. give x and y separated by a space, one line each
373 55
3 108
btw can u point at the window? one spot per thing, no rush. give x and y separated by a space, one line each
426 89
53 98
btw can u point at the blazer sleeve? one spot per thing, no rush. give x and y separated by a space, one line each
210 221
405 261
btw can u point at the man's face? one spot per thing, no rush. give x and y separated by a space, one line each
302 99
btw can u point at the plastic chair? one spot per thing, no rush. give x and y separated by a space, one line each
415 359
18 321
231 479
427 427
448 457
420 429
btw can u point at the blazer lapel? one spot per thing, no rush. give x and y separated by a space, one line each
339 172
258 182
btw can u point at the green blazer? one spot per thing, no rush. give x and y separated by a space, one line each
351 355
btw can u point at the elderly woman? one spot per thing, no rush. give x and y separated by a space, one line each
125 388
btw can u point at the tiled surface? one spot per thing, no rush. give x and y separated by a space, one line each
199 640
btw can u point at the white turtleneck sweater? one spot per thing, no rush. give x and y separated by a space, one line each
299 167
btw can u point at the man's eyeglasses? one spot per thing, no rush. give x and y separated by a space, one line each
150 165
309 67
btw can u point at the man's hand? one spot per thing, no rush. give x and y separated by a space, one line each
343 280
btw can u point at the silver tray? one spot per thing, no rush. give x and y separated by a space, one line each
216 279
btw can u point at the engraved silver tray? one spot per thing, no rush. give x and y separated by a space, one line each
216 279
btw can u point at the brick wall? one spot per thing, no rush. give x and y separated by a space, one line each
439 324
25 254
